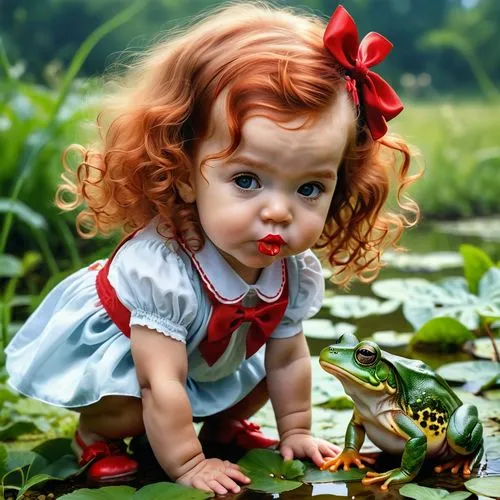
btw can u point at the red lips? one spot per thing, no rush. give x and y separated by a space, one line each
271 244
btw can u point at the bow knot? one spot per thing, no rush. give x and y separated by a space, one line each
380 101
360 69
226 318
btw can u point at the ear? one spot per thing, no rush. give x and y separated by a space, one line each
185 187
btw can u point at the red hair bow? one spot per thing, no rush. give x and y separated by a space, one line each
380 101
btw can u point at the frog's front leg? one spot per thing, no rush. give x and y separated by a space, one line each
354 437
413 455
465 437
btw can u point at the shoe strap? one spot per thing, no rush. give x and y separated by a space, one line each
96 449
250 426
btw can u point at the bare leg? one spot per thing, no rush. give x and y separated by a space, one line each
242 410
113 417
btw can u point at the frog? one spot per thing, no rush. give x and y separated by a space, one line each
404 407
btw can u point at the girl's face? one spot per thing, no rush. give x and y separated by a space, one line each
278 182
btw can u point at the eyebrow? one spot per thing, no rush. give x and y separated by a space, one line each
324 173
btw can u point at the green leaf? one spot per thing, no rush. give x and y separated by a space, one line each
10 266
23 212
443 334
476 263
54 449
3 459
33 481
390 338
269 472
106 493
489 486
417 492
16 428
483 348
338 403
315 475
325 329
354 306
170 491
478 376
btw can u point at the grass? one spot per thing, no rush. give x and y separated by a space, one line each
459 144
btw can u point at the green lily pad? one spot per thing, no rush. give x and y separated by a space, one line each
324 385
391 338
270 473
106 493
325 329
443 334
417 492
354 306
465 371
488 486
315 475
170 491
482 348
423 262
158 491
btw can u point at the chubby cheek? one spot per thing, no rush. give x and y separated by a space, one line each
308 229
225 222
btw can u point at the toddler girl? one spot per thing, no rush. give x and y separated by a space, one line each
228 152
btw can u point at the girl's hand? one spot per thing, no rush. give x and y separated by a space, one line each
215 475
307 446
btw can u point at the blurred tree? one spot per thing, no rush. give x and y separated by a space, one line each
50 31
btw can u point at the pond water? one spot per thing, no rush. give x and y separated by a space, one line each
433 255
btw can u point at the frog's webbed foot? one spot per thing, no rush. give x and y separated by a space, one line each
347 458
391 476
464 464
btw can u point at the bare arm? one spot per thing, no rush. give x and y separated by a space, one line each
288 366
161 365
288 369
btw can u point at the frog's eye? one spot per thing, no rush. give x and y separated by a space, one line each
366 355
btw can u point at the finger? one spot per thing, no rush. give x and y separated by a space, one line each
317 457
347 467
228 483
238 476
230 465
329 450
369 460
287 452
199 484
216 487
359 463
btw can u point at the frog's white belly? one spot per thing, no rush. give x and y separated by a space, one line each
376 411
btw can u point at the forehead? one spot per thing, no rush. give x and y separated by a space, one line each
296 142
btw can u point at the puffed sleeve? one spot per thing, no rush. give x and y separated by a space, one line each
152 282
306 289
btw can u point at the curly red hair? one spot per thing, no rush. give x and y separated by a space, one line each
272 62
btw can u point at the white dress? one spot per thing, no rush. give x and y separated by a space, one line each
69 352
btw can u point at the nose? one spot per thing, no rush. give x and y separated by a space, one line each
277 210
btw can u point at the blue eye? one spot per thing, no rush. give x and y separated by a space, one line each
310 190
246 182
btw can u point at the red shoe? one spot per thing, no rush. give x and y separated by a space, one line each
246 435
110 460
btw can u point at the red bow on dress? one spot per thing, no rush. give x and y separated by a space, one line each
380 101
226 318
